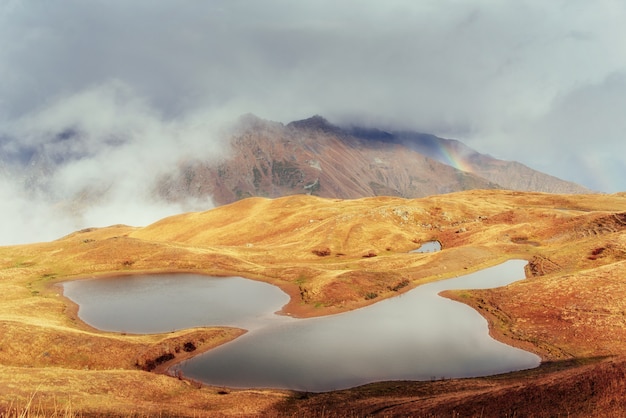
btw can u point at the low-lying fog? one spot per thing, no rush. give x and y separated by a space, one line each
92 160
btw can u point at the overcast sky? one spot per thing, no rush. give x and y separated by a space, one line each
540 82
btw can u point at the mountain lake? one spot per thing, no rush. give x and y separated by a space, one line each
417 335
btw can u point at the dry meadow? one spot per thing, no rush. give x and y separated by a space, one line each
332 256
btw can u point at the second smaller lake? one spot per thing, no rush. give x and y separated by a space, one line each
428 247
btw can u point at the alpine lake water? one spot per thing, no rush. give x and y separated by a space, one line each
418 335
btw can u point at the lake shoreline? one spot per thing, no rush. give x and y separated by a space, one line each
503 334
167 366
41 344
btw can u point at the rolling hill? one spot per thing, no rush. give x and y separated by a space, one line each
57 181
332 255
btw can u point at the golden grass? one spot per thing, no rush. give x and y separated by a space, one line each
330 256
33 409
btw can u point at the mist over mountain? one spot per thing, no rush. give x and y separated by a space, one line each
89 160
540 83
508 174
69 176
313 156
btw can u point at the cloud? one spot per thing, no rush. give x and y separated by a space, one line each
538 82
584 135
94 158
22 221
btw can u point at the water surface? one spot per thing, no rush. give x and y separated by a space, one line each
415 336
166 302
428 247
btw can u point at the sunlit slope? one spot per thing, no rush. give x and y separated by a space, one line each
299 224
342 253
330 256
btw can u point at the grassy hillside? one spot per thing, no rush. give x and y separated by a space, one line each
330 256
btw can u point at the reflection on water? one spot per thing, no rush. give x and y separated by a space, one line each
415 336
165 302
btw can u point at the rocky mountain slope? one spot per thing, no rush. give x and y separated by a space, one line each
75 170
510 175
312 156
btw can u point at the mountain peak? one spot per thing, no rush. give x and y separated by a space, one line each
250 122
314 123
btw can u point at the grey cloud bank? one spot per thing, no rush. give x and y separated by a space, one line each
101 145
146 82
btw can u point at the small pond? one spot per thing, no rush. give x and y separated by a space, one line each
428 247
415 336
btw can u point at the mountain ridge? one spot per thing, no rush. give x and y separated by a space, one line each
313 156
79 178
517 176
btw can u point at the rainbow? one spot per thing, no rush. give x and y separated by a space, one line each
454 159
